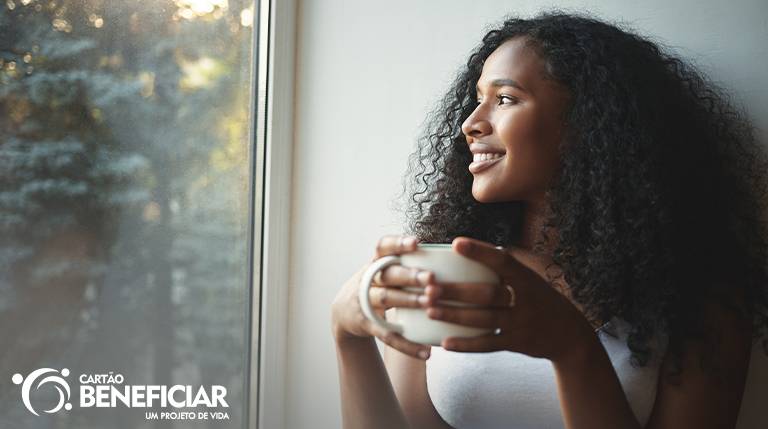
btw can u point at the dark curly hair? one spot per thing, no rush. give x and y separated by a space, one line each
658 206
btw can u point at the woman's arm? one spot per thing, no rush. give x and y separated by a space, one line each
698 400
409 379
591 395
367 398
545 323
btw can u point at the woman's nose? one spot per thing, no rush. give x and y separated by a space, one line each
476 126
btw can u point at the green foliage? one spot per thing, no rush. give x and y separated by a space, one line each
123 188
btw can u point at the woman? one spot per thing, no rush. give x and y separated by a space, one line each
625 195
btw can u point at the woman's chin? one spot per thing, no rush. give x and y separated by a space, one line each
484 196
491 194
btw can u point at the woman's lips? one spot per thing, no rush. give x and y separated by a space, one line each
478 166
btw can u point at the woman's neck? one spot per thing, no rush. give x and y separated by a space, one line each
539 258
534 216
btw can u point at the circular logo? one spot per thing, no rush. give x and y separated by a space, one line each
57 381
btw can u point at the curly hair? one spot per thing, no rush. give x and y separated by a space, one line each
659 202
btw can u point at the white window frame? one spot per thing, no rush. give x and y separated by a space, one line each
274 42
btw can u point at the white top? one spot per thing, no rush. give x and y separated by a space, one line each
514 391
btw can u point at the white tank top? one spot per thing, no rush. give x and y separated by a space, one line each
514 391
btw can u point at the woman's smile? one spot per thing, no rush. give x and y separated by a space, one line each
484 161
484 156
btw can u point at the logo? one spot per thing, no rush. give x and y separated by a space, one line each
177 402
58 382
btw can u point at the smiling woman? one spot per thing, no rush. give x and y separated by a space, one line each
514 133
620 196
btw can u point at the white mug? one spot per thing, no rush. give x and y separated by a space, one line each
448 267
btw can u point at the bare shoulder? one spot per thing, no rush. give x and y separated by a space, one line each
697 398
409 379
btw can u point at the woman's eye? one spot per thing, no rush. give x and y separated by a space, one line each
507 98
503 99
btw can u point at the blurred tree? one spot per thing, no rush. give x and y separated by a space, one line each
124 191
61 168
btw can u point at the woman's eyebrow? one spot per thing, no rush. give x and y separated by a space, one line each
503 82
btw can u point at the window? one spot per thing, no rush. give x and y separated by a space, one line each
126 209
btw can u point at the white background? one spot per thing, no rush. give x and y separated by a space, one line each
366 74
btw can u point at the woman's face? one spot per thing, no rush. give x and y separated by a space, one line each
514 133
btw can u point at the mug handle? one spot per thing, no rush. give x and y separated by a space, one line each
365 286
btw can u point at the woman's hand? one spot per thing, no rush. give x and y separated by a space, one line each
348 320
532 316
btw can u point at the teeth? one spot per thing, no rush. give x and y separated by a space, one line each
486 156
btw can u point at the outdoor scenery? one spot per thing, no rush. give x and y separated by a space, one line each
124 203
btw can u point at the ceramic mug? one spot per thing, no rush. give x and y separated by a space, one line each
413 323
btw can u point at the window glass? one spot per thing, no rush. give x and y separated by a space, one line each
124 212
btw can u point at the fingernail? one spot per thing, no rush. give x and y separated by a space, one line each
409 241
424 354
462 245
433 291
434 312
423 299
423 277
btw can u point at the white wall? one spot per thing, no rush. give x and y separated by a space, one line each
367 72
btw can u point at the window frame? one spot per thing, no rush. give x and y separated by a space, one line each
274 40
